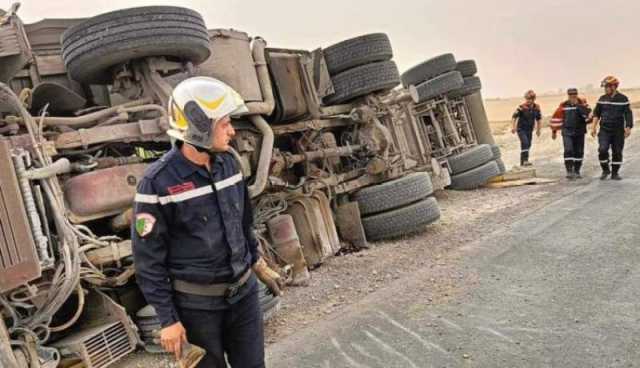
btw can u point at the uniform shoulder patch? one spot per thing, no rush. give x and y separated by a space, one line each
144 224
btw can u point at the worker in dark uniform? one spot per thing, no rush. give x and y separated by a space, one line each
195 252
572 117
614 116
526 119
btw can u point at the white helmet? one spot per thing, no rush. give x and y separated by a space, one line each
195 103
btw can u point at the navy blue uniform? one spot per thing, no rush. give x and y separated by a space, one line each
574 128
615 115
526 116
196 226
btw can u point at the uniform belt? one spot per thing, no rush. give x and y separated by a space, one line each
226 290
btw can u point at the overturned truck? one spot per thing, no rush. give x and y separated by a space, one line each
338 149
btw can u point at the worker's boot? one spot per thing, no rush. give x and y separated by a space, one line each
606 171
577 165
524 159
615 175
569 166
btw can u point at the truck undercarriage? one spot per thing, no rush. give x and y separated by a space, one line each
335 150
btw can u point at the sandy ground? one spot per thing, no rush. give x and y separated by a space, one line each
466 217
554 287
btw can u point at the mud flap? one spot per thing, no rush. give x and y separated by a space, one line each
316 228
349 225
288 249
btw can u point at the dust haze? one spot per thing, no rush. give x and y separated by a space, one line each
546 45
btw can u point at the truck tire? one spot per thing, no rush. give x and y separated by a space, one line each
467 68
440 85
496 151
404 220
91 48
471 85
475 178
393 194
429 69
357 51
472 158
362 80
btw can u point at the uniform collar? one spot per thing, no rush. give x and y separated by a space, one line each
187 168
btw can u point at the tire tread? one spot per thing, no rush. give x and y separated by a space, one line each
393 194
470 159
402 221
362 80
357 51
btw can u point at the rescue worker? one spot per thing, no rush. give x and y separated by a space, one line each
572 118
193 243
614 117
527 118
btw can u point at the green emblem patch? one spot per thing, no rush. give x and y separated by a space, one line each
144 224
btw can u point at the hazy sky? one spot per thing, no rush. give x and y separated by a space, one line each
540 44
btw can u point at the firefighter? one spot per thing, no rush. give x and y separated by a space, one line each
572 118
195 252
614 117
527 118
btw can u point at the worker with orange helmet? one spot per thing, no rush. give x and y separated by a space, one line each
571 119
614 117
527 118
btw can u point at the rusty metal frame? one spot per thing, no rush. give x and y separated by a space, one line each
13 44
462 120
19 262
142 130
448 127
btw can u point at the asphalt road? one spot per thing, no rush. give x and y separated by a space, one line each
558 288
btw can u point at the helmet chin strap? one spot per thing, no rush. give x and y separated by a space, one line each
208 151
203 150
